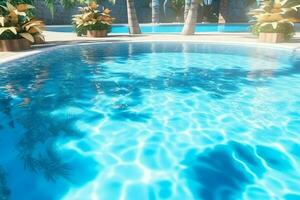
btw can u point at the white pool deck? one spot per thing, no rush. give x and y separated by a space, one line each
54 39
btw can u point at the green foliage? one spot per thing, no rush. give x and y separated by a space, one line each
90 18
99 26
50 4
71 3
17 22
275 16
7 35
15 2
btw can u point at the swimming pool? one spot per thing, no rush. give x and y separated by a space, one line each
151 121
169 28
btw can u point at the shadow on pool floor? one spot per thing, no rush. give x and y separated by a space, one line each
220 173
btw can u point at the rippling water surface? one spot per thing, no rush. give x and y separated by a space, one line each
137 121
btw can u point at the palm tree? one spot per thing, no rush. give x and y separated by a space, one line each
133 24
66 4
191 19
50 4
186 8
155 5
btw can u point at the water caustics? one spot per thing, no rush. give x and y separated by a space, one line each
151 121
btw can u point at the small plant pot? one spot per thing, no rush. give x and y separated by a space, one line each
271 37
97 33
14 45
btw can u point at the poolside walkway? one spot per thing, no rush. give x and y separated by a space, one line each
56 39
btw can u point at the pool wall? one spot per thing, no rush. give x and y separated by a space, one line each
170 28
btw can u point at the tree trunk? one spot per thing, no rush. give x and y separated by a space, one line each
187 6
191 20
133 24
155 11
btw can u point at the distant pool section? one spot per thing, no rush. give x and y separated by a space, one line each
164 29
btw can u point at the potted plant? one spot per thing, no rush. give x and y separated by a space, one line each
18 30
92 22
273 20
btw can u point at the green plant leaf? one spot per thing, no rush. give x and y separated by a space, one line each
274 24
20 13
295 7
11 29
3 7
2 21
27 36
30 6
10 7
284 2
40 36
264 24
38 29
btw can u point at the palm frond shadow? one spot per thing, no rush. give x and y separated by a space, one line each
4 190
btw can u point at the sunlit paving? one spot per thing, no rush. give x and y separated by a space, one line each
149 100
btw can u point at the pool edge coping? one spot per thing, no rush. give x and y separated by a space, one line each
20 55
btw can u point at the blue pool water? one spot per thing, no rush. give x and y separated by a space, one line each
176 28
139 121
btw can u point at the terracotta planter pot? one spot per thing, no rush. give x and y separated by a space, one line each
271 37
97 33
14 45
